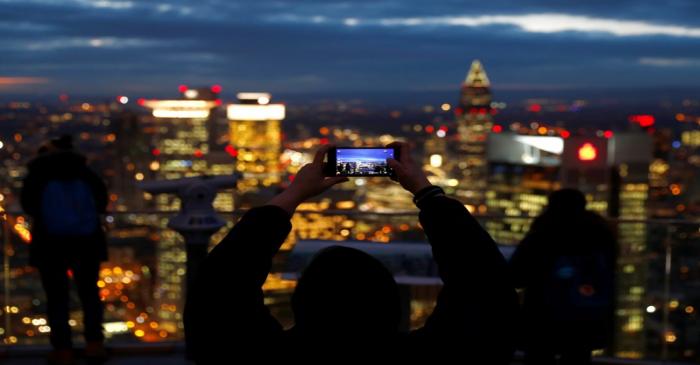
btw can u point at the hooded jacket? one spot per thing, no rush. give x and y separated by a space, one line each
556 234
346 302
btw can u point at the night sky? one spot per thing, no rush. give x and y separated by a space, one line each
111 47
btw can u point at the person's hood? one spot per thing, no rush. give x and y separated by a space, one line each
62 163
344 290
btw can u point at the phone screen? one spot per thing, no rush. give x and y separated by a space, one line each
363 161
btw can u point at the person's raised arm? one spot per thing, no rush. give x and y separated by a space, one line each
226 302
477 302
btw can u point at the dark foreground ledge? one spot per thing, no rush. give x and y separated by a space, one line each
173 353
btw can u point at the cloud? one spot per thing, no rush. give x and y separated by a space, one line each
669 62
85 42
99 4
18 82
532 23
331 45
15 80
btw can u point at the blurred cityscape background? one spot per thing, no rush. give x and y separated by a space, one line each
504 104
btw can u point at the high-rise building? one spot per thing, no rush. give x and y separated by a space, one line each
473 125
523 171
180 139
255 127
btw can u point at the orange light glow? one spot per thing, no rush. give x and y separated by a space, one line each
587 152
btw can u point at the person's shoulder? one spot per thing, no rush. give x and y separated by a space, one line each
595 220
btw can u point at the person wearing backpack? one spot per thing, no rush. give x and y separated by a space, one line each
566 266
65 198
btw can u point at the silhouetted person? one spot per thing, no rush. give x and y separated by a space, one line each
566 265
65 198
346 303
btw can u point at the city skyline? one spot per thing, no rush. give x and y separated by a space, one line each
502 102
110 47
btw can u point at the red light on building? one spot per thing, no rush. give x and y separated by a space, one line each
198 153
218 102
608 134
496 128
182 88
63 98
155 152
141 101
459 111
535 108
231 151
565 134
323 140
443 128
216 88
429 129
587 152
644 120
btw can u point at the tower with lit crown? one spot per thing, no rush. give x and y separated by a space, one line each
473 125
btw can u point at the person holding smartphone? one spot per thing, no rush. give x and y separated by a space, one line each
345 300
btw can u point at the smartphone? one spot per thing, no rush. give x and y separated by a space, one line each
360 161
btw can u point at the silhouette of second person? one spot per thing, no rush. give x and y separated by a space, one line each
566 266
346 301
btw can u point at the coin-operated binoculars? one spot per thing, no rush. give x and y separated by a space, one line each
197 220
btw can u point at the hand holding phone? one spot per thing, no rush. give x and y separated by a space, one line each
309 181
406 171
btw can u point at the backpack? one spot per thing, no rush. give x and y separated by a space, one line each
581 287
68 208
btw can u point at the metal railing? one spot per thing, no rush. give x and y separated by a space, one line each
142 283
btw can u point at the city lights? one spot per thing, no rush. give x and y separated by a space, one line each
499 164
191 93
435 160
550 144
643 120
256 112
181 114
180 109
587 152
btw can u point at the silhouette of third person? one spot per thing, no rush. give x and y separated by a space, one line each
346 302
566 266
65 199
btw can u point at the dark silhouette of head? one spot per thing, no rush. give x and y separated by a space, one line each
346 292
63 143
566 202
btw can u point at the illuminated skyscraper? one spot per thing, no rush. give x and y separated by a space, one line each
473 125
256 137
523 171
180 138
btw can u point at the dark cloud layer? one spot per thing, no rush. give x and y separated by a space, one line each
108 47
